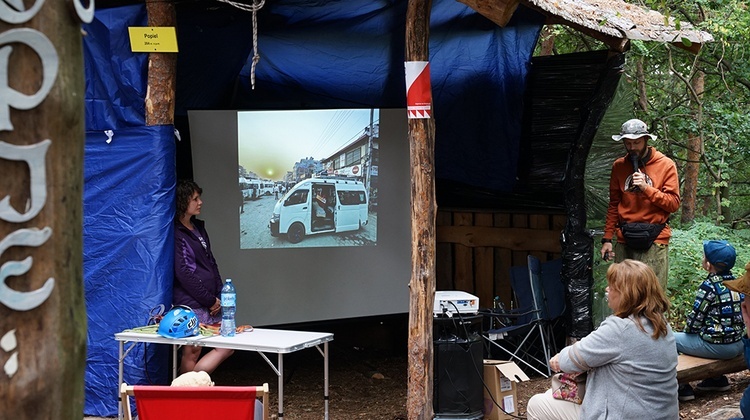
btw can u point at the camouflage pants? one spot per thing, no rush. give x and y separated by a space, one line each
656 257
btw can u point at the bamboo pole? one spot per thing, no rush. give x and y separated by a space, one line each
423 218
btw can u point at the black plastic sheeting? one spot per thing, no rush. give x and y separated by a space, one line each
554 114
572 110
560 123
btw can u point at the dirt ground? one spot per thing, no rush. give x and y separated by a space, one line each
369 381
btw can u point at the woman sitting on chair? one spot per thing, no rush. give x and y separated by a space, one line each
630 359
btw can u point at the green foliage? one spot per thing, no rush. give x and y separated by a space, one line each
718 115
686 266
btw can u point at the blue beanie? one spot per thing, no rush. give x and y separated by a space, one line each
720 254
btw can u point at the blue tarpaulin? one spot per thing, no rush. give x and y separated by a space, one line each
129 178
313 54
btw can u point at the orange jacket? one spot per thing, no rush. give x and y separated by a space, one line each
654 205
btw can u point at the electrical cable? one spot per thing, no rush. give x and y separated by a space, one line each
480 374
154 317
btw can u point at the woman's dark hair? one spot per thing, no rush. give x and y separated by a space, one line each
185 190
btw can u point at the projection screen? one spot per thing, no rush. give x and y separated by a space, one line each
340 270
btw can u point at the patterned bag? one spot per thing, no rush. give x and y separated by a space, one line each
569 386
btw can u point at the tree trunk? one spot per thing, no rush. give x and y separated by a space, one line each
641 76
719 193
423 216
42 308
161 69
547 46
694 153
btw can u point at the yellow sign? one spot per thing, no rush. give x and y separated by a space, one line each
152 39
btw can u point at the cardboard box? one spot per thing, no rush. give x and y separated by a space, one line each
501 377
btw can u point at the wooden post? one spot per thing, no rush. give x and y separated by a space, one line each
423 218
42 308
160 94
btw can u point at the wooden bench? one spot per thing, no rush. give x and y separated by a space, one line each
691 368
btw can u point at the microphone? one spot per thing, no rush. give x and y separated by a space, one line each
634 159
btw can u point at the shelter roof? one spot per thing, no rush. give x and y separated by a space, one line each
614 22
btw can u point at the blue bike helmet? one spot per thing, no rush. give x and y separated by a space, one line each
178 322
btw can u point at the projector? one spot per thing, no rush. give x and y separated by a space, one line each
450 302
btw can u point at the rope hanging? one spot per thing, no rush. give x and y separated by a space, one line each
257 5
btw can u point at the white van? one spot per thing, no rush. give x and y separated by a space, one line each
255 188
319 205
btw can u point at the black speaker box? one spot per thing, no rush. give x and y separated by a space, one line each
458 366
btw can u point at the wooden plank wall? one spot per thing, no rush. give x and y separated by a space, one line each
475 249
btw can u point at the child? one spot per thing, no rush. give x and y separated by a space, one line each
714 328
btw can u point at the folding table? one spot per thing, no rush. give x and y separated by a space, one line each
258 340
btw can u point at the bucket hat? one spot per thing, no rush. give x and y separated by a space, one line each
742 284
633 129
720 254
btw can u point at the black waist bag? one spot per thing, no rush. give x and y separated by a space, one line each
640 236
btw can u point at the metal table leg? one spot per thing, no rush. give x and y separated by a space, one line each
121 358
281 386
325 378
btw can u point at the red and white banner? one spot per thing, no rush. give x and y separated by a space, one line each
418 89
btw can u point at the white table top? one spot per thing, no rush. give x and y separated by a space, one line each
259 339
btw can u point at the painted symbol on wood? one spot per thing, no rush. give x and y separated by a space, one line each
34 155
15 11
8 343
23 301
38 42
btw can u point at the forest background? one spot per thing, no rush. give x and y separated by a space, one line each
697 105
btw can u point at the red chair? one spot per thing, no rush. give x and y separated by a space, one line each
194 402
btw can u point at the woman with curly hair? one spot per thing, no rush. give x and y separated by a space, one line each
197 282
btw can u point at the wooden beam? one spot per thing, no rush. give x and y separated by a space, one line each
503 262
444 253
162 68
498 11
501 11
42 306
615 44
423 215
499 237
484 264
693 47
691 368
464 264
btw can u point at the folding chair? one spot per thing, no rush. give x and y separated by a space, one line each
554 301
194 402
525 333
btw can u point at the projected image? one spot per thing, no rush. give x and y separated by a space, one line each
308 178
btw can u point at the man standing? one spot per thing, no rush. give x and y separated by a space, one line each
643 192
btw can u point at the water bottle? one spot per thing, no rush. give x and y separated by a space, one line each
228 308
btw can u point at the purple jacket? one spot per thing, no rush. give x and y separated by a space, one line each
197 282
